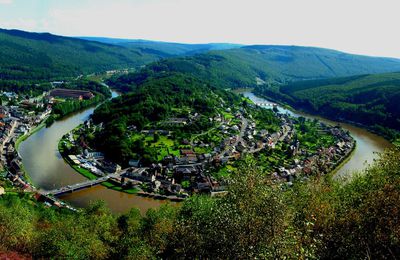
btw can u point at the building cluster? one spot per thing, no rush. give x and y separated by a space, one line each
190 172
322 162
89 160
71 93
18 117
95 162
177 176
16 121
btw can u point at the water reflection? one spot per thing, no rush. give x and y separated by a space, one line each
47 169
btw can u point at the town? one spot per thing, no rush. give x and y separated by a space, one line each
21 116
198 163
181 164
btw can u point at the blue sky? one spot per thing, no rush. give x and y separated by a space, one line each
358 26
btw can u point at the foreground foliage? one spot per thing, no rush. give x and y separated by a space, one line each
321 218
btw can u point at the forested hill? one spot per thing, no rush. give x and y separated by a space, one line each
172 95
241 67
27 56
372 100
299 63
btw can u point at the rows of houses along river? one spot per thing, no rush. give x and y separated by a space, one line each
20 115
177 176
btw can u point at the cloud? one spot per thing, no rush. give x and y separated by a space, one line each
6 2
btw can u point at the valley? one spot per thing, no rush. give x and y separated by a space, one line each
369 101
134 149
44 171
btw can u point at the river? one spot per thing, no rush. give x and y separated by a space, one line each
368 144
47 169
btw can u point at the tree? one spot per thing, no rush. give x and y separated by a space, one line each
249 222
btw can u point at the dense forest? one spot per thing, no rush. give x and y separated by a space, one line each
152 101
43 56
31 58
321 218
251 65
371 100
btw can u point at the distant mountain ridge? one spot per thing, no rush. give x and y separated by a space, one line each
42 56
248 66
289 63
165 49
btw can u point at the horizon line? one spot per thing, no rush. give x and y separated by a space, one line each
193 43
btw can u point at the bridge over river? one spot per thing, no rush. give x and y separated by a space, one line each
79 186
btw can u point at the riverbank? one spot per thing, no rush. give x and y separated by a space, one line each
343 161
338 120
369 145
27 135
113 185
23 138
74 106
49 170
89 175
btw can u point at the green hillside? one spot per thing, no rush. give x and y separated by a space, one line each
249 65
289 63
371 100
171 96
36 56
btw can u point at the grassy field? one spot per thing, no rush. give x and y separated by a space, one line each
162 141
164 146
227 115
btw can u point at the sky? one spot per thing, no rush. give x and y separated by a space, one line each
369 27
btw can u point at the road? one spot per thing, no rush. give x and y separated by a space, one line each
281 138
203 133
239 137
245 123
6 140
